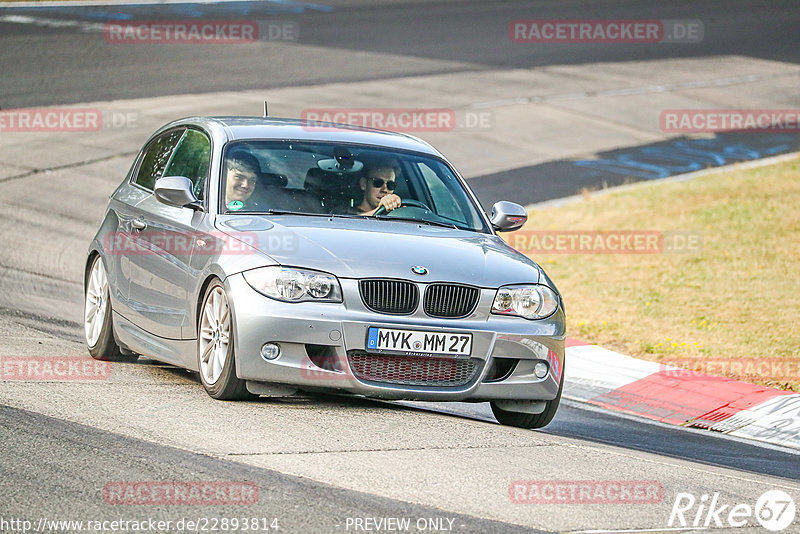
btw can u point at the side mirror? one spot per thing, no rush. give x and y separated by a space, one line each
176 191
508 216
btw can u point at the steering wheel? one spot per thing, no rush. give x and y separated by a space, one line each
407 203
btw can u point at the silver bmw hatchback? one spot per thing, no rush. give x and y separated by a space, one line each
273 255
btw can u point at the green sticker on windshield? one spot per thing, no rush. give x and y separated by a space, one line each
235 205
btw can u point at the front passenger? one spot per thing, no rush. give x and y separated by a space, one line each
242 172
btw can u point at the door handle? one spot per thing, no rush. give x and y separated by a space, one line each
138 224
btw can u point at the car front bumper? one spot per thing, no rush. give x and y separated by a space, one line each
337 329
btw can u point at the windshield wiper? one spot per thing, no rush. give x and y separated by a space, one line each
348 216
286 212
329 215
304 213
420 221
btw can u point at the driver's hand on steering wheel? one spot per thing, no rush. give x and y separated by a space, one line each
389 202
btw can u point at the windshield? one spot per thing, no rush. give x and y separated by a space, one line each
344 180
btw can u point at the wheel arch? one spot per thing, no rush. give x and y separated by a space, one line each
199 308
93 253
198 304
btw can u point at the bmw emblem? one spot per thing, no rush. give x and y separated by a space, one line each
419 269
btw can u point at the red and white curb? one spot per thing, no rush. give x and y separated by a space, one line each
668 394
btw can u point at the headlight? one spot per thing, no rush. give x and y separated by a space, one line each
294 285
529 301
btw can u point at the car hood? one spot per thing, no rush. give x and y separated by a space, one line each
365 248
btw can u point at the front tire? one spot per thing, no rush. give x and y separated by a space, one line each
215 352
98 328
529 420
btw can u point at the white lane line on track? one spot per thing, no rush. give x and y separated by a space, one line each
53 23
127 3
673 529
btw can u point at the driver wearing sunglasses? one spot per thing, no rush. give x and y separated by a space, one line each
377 185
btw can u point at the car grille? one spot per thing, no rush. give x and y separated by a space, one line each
389 296
450 300
412 370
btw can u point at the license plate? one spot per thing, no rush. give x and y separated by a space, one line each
418 342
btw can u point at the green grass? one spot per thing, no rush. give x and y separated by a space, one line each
736 301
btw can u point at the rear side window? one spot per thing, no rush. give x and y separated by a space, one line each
156 157
191 159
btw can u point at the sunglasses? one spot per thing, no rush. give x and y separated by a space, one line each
378 182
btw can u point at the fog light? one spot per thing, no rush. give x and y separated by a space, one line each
270 351
540 369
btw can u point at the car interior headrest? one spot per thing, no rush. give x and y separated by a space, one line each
320 180
271 179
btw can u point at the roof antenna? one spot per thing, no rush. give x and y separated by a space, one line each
266 112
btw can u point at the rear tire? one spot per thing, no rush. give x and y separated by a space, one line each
215 351
530 420
97 317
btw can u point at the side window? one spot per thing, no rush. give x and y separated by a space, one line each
191 159
156 158
445 203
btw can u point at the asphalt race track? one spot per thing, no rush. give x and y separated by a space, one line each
341 41
563 117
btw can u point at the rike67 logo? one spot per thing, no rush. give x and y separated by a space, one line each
774 510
